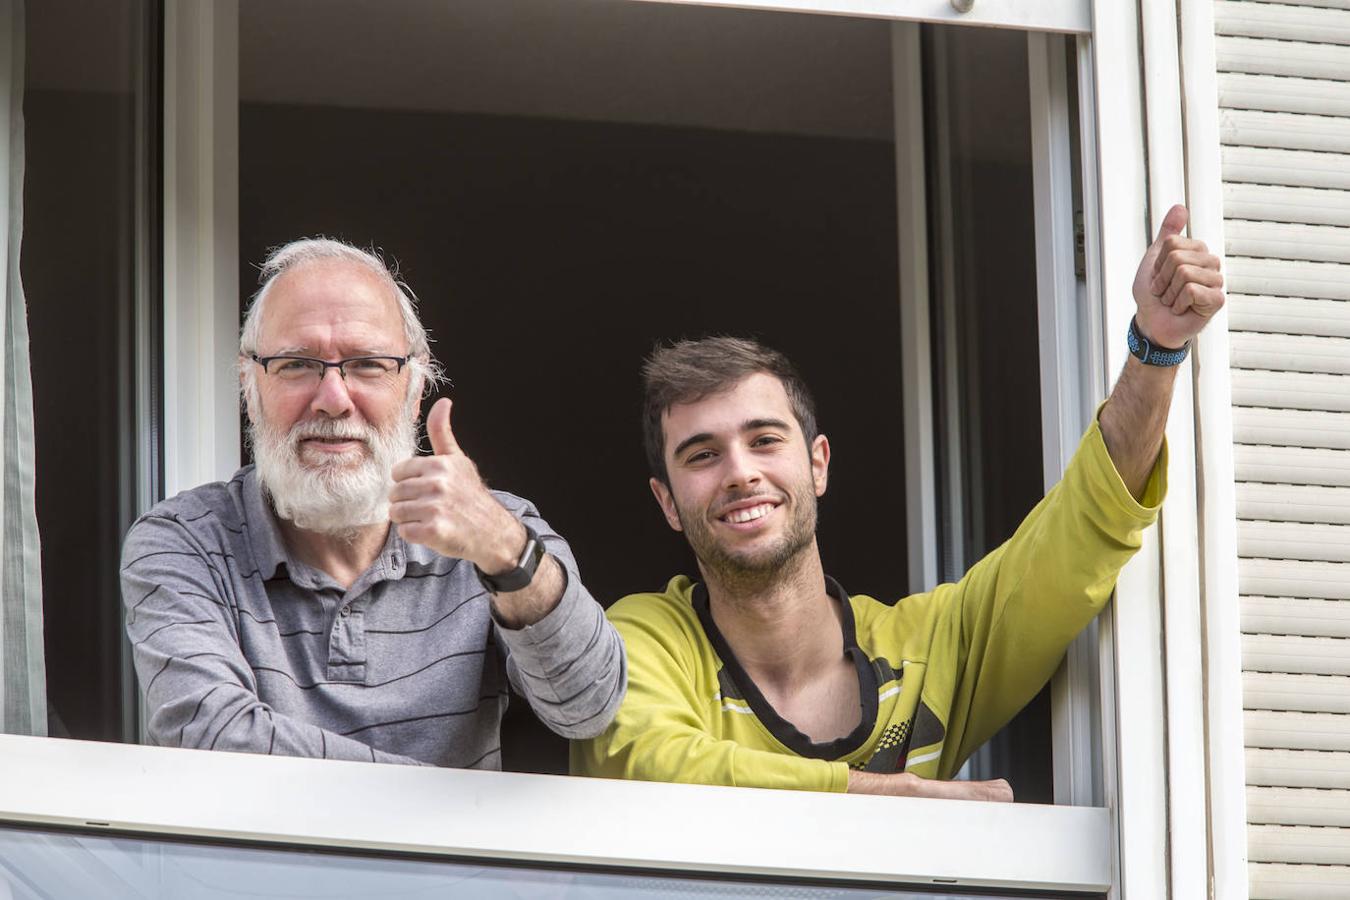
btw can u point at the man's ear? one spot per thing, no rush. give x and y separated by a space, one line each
246 400
820 463
420 393
666 500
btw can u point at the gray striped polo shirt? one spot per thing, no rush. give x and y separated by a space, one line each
240 647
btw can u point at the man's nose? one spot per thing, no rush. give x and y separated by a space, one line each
331 397
741 469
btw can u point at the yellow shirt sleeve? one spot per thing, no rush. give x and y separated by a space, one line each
1017 609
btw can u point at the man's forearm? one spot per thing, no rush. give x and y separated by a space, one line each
1134 418
570 664
235 720
904 784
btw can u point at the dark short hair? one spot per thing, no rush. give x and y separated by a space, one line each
688 371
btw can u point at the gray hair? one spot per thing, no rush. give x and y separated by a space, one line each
422 365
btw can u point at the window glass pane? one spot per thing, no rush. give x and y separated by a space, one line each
986 340
78 263
35 864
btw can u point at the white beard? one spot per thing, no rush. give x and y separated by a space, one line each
340 493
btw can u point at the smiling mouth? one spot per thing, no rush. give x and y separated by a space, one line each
329 442
748 513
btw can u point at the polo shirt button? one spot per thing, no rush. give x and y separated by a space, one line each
346 611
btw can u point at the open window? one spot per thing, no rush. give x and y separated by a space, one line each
566 186
902 207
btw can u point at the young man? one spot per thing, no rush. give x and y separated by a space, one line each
767 674
343 597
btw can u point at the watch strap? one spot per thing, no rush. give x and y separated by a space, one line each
1149 353
521 576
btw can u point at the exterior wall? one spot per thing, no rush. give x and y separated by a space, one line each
1284 121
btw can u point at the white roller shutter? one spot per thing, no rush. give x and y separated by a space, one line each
1284 96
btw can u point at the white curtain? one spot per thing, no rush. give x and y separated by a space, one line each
23 688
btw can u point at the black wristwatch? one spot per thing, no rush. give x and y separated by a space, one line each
521 576
1149 353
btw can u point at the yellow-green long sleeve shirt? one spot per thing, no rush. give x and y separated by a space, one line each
939 672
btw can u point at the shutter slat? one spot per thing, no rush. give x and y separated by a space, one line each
1298 768
1298 806
1303 353
1288 23
1261 387
1296 616
1274 881
1280 692
1285 131
1294 578
1297 844
1289 315
1282 240
1295 540
1289 278
1299 656
1295 59
1275 203
1293 503
1273 93
1325 4
1297 731
1291 428
1294 465
1296 168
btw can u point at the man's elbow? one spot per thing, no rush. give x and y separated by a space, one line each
591 713
238 728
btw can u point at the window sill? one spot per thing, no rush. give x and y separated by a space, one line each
551 819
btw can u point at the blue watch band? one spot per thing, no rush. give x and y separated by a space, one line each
1149 353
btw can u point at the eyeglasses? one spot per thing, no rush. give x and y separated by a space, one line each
371 371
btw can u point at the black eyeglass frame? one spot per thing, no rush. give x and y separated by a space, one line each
340 365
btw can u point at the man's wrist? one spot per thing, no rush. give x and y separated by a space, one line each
519 573
894 784
506 550
1149 352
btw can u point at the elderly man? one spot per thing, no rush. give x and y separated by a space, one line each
343 597
766 673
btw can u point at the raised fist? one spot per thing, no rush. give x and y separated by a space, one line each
1178 286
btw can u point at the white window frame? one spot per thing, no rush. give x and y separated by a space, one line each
1218 745
503 816
1069 322
1095 848
1134 738
1177 767
201 241
1065 16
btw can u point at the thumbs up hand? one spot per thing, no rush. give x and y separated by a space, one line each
440 501
1178 286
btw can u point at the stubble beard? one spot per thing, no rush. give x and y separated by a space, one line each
750 572
330 493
